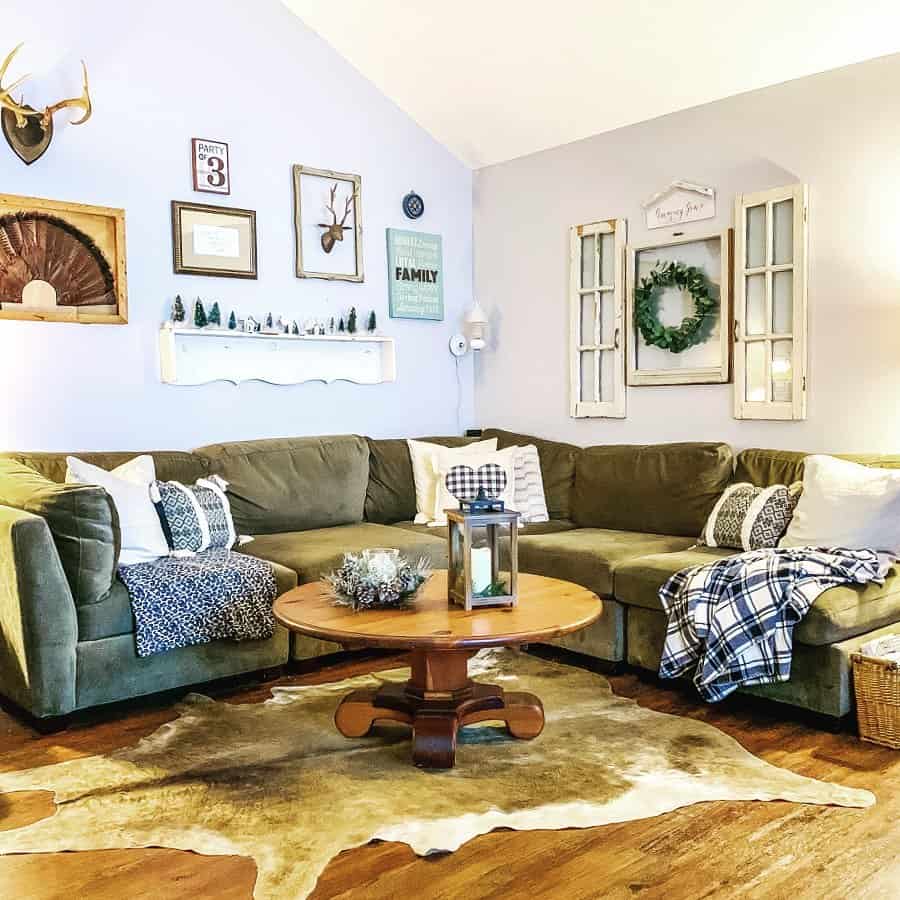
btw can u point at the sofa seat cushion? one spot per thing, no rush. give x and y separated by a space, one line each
840 613
638 581
553 526
113 616
314 553
590 556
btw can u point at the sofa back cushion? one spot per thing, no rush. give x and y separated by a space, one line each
655 488
766 467
391 491
557 467
292 484
82 520
171 465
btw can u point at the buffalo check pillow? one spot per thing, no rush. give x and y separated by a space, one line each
747 517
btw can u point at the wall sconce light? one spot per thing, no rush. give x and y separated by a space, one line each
28 130
477 322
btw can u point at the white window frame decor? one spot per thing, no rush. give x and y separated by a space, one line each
670 251
614 406
768 407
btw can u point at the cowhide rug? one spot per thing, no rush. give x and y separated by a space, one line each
276 782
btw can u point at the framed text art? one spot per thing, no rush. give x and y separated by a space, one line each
62 262
213 240
328 224
415 275
679 310
209 164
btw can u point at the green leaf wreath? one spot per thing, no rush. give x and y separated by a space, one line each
646 305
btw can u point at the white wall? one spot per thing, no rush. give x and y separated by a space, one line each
839 132
250 74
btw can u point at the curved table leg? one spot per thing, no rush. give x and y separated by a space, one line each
437 701
434 741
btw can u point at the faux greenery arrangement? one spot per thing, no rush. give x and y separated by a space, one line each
646 298
377 579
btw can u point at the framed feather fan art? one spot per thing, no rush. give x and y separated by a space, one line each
62 262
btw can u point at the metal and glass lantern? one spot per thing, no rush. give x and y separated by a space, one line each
483 539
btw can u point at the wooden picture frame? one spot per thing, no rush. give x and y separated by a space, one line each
711 358
213 240
215 154
81 250
319 193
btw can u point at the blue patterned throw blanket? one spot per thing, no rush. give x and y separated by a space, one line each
732 621
180 601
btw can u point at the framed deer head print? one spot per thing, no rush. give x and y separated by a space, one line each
327 224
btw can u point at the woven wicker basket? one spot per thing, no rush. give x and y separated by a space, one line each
877 686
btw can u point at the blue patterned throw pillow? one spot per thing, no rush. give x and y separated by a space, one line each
195 517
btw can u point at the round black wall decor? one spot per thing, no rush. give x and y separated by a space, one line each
413 205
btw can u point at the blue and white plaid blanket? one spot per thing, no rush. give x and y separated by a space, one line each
216 594
732 621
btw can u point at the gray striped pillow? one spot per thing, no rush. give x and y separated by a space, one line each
529 488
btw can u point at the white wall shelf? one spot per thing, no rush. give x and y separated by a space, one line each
193 356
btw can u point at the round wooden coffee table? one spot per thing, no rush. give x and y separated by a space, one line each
439 697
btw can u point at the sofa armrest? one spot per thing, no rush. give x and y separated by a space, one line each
38 623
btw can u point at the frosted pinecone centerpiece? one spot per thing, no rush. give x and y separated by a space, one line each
377 578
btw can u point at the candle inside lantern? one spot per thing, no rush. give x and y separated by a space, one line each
481 569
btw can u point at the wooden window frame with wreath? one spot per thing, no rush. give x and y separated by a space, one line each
605 397
719 374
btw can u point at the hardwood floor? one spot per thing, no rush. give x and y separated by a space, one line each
710 850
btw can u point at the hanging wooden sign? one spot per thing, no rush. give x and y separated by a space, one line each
680 202
415 275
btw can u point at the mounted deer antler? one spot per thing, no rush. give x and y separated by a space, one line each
83 102
30 138
335 231
21 112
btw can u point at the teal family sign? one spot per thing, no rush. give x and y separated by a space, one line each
415 275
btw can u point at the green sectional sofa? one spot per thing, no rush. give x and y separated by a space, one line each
622 519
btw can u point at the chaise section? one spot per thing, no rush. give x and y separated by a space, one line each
38 626
821 679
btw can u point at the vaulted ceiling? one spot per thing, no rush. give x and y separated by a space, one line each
496 79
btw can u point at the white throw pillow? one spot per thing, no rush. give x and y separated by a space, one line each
530 500
129 486
423 472
443 462
844 504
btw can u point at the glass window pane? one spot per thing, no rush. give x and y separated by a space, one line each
607 303
783 302
756 237
756 371
782 371
783 232
588 377
588 250
587 319
607 360
755 290
607 259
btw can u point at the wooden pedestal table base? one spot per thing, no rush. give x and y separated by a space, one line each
437 701
440 698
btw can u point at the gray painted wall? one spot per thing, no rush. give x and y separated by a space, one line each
839 132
